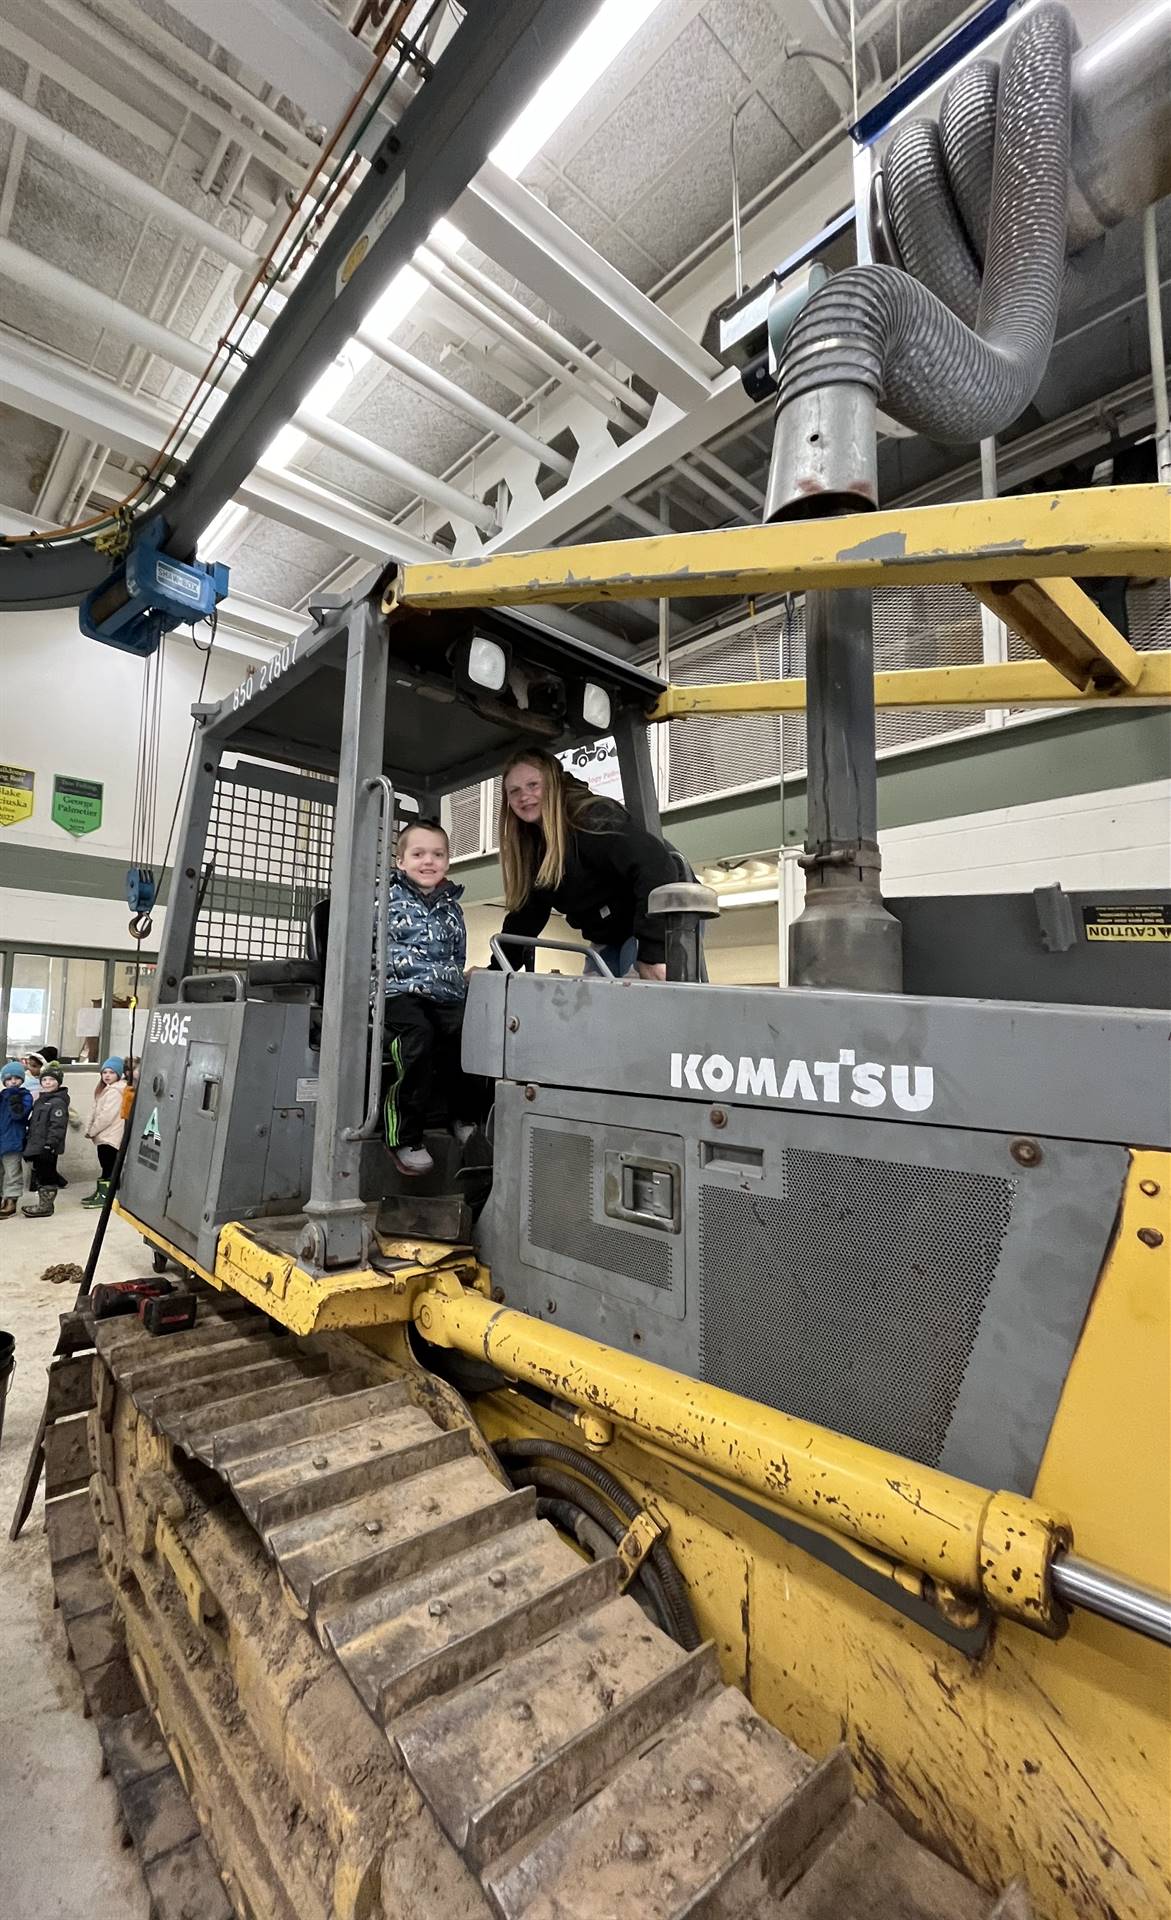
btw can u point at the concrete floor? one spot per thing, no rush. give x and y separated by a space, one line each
60 1856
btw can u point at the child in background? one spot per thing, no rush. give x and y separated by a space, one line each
425 991
48 1125
15 1106
105 1126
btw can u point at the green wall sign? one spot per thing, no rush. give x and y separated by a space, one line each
77 804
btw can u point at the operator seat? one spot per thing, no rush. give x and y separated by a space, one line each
294 976
317 937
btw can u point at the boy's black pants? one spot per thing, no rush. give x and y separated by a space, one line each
422 1070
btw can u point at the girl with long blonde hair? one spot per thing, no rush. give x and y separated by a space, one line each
566 850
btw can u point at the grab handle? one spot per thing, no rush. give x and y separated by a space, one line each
385 790
235 980
499 940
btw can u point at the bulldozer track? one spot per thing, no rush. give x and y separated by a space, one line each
580 1762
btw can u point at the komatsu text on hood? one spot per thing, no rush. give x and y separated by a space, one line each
844 1081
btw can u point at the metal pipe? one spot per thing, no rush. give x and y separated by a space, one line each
39 276
737 239
1120 152
955 1533
300 150
843 937
331 433
531 323
1154 295
705 457
478 310
96 166
691 471
432 381
1079 1583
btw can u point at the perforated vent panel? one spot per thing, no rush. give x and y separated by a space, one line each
560 1213
855 1300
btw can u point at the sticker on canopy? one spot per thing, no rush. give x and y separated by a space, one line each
150 1144
596 762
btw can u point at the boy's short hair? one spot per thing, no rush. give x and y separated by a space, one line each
412 826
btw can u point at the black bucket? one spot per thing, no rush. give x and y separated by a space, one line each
7 1363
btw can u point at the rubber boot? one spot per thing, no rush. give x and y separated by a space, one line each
98 1196
45 1202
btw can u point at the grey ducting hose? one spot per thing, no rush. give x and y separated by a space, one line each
938 182
880 331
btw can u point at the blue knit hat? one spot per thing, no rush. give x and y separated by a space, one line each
12 1071
115 1063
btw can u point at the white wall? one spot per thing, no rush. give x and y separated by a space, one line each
1121 838
68 705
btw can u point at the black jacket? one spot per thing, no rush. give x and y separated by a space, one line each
611 866
48 1123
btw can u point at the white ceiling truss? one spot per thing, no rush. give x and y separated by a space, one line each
547 381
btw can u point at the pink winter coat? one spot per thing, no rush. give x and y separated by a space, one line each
105 1120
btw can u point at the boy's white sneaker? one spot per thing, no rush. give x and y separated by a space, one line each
413 1161
462 1131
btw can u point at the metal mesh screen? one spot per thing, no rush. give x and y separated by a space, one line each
560 1213
855 1300
269 853
935 626
1149 608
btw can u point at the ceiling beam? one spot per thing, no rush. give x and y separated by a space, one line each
513 227
296 45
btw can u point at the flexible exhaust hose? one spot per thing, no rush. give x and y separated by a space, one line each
890 337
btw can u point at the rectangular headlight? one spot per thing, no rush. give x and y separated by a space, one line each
595 707
487 664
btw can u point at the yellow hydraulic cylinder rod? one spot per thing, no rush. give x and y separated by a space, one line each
994 1546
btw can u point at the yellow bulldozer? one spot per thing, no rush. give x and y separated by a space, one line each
735 1485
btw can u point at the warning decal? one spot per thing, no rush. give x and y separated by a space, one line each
1127 923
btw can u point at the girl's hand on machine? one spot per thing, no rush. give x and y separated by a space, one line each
651 969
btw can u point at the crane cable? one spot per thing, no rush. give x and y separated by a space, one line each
144 812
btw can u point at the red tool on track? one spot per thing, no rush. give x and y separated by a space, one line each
126 1296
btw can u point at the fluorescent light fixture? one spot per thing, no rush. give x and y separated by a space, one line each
595 707
612 28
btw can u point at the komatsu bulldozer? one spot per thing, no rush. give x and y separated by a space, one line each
734 1485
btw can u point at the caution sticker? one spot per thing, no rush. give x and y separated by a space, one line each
1128 923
